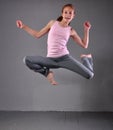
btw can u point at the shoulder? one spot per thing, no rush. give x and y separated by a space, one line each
73 32
51 22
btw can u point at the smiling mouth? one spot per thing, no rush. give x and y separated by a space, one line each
68 18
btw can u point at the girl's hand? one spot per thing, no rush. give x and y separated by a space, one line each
19 24
87 25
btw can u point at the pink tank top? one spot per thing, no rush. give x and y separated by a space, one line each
58 37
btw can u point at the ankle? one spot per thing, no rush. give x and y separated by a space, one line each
51 79
86 55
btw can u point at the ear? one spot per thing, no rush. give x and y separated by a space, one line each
74 16
62 15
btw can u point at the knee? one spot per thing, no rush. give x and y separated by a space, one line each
27 62
24 60
91 75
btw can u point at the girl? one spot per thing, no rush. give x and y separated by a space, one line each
59 31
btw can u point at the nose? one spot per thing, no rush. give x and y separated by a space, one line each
68 15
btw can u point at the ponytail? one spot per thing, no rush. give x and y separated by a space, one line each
59 18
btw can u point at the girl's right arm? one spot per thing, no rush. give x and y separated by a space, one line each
32 32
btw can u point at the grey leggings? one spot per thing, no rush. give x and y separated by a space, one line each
43 64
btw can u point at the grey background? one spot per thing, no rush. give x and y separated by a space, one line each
22 89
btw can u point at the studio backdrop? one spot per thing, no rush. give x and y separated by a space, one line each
23 89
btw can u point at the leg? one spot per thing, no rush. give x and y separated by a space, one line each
72 64
41 65
87 61
34 63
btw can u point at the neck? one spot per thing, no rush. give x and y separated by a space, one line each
64 23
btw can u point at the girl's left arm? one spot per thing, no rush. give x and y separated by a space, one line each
85 41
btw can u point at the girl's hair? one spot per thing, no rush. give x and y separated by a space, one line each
67 5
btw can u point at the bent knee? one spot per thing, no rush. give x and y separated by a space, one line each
24 60
91 75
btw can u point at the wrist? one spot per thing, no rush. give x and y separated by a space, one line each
23 26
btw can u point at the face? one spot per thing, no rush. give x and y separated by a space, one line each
68 14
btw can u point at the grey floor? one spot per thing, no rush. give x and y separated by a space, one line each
56 121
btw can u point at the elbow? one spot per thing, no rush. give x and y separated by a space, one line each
36 36
85 46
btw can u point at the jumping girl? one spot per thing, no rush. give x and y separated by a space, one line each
59 31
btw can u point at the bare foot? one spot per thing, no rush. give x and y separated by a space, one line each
51 79
88 55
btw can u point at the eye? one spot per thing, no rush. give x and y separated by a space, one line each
65 12
70 12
